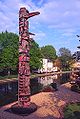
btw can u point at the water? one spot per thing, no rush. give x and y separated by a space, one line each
9 91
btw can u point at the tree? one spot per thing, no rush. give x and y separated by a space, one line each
65 56
64 52
58 63
49 52
35 56
9 51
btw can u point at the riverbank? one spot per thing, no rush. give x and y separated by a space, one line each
36 75
50 104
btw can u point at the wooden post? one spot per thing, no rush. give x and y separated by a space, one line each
24 105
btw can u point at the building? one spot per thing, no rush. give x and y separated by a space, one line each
47 66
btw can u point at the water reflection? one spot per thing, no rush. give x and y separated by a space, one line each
47 80
8 87
8 93
35 86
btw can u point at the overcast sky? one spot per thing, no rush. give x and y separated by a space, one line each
57 25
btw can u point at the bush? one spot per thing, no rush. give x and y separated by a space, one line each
75 88
72 111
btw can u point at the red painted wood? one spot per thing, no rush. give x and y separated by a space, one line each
24 58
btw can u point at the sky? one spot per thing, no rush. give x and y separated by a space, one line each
57 24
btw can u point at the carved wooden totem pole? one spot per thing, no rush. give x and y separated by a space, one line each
24 68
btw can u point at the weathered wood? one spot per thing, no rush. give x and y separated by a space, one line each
24 58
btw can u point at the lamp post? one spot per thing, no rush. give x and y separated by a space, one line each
24 106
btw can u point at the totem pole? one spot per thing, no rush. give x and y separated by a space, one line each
24 58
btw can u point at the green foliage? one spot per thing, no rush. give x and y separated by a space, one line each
9 57
8 50
65 57
35 56
72 111
65 54
49 52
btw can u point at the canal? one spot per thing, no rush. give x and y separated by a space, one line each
9 90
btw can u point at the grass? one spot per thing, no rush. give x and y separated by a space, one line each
72 111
